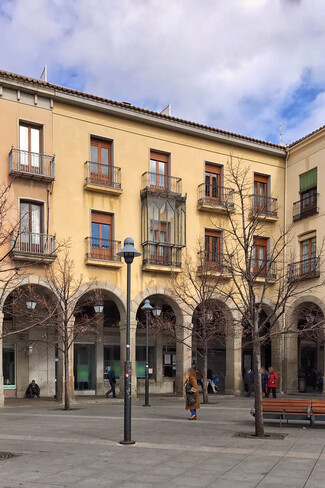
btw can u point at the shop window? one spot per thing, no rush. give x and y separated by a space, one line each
141 360
9 366
85 366
112 358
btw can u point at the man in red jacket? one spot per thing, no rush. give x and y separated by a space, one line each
271 383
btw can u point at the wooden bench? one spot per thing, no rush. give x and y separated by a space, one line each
317 411
286 408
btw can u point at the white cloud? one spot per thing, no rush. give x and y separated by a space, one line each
231 64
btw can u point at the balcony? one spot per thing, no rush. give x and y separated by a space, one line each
265 208
263 270
305 207
102 252
33 247
306 269
31 165
103 178
214 265
217 199
159 184
165 258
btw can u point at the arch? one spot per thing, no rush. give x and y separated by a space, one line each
293 312
157 290
114 292
25 281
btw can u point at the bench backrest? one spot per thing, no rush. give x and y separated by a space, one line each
318 406
285 404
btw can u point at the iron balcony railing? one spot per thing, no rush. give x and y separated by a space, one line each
264 206
33 243
305 207
102 249
304 270
31 164
218 196
160 183
263 268
161 254
213 263
103 175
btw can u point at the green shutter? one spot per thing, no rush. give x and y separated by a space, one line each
308 180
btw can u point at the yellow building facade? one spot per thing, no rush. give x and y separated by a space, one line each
93 171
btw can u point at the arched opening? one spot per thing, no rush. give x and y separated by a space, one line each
265 341
310 323
209 341
100 348
29 345
162 346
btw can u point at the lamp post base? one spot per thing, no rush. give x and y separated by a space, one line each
146 405
127 443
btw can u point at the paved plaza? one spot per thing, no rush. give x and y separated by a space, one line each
80 448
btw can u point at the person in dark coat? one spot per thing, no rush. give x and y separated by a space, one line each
112 381
191 389
264 377
248 381
33 390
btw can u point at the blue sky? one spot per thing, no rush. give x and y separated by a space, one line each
245 66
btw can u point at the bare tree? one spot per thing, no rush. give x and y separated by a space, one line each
59 312
257 272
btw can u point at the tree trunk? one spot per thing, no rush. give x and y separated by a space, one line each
66 377
205 375
259 423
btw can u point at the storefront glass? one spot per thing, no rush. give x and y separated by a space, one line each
9 366
84 367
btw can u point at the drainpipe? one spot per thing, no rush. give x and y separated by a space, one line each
285 266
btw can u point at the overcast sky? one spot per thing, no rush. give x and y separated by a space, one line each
240 65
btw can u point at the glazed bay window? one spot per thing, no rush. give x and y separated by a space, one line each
307 205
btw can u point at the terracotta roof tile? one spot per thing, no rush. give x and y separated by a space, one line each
306 136
26 79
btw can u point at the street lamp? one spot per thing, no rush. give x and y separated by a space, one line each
147 308
98 307
30 304
128 253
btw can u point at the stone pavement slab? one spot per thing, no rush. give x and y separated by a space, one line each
81 448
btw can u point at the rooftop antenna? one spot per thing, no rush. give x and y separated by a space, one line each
44 74
281 132
167 110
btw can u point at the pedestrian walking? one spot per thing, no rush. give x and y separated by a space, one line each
264 377
112 381
248 381
192 401
211 380
271 383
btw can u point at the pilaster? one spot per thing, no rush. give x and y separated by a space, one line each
1 362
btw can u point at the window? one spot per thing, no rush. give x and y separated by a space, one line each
212 247
308 192
213 182
308 255
9 366
31 226
159 169
101 161
101 235
259 255
30 146
261 192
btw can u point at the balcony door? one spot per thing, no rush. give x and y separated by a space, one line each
259 255
212 247
101 171
308 256
30 148
159 170
261 191
213 183
31 226
102 235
